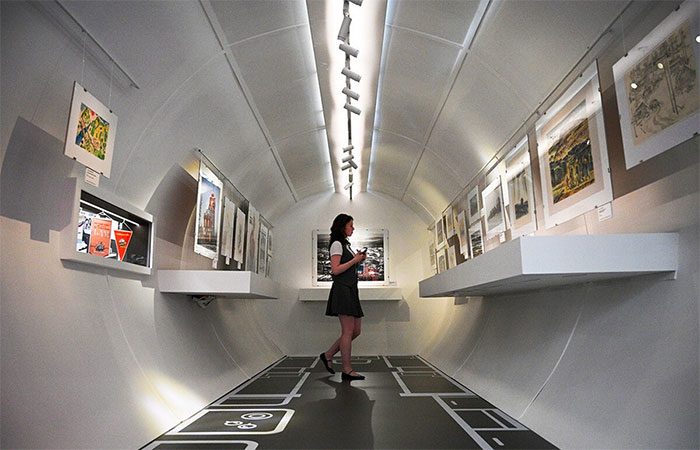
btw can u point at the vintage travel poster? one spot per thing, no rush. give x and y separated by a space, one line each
100 236
208 218
91 131
657 84
475 240
239 241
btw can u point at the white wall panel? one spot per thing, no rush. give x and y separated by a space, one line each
394 157
257 17
445 19
434 183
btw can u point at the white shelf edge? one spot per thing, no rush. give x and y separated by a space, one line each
535 262
218 283
367 294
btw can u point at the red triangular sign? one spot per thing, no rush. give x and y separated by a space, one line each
123 237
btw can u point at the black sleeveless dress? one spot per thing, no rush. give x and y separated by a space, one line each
344 297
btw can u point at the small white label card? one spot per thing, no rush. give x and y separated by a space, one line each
605 212
92 177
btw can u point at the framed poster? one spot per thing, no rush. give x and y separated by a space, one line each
572 152
208 218
227 232
449 223
475 240
92 128
462 233
442 261
451 256
239 241
439 234
251 257
474 206
262 250
431 250
493 208
521 199
657 87
373 271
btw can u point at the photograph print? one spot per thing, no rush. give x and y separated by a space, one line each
239 240
439 234
521 202
371 271
493 208
475 240
92 128
208 218
657 87
474 207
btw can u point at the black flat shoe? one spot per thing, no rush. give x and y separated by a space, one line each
348 377
325 362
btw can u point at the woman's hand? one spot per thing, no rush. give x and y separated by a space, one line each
359 257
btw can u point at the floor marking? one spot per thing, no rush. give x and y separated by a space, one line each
498 441
453 402
250 445
288 413
465 426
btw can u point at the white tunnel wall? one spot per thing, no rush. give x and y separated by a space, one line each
605 365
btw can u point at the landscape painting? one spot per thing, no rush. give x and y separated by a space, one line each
571 162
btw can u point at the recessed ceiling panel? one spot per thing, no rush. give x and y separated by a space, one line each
480 115
307 162
415 72
279 70
446 19
532 44
243 19
394 158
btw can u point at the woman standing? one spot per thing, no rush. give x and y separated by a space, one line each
344 299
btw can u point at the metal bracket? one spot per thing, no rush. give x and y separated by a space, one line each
203 300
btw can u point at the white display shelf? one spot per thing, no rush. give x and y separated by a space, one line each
367 293
217 283
535 262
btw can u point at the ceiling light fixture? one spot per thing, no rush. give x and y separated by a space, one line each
352 109
348 148
348 49
344 32
350 74
350 93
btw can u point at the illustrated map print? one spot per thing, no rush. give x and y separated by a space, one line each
663 87
92 132
571 163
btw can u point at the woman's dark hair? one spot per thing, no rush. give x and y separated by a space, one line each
338 228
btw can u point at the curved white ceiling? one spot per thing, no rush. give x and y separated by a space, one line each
239 79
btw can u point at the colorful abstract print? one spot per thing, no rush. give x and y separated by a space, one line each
92 132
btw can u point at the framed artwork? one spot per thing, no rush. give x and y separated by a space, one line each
521 199
92 128
439 234
475 240
657 87
431 250
449 223
208 218
262 250
462 234
474 206
227 232
251 253
373 271
493 208
451 256
442 261
239 241
269 242
572 152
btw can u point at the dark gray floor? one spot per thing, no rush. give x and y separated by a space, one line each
404 403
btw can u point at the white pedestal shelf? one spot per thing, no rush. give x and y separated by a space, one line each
217 283
534 262
367 293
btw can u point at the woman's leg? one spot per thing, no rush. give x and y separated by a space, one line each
347 330
335 348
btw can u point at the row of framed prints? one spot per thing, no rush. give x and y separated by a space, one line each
657 89
224 228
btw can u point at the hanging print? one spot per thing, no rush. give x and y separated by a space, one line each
92 128
100 236
208 218
658 87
